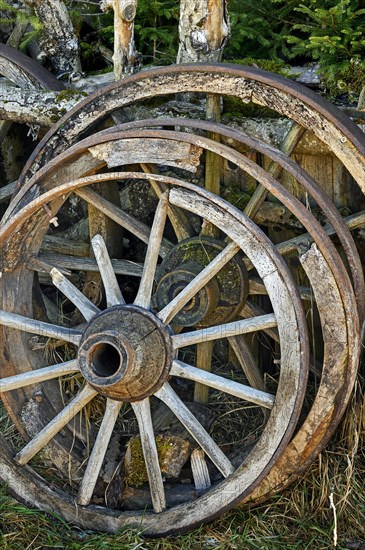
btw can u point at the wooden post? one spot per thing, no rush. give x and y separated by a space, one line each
126 57
203 32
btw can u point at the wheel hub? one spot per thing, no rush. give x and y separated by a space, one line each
125 353
219 300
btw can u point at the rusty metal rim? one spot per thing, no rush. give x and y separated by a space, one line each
300 374
351 134
37 73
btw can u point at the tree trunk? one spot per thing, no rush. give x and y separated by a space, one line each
35 107
126 58
59 42
203 30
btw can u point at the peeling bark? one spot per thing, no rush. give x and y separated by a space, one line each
59 42
203 30
126 58
35 107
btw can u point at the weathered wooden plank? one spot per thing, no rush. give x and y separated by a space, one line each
73 263
200 470
172 153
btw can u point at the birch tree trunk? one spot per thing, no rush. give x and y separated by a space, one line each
59 42
203 30
126 59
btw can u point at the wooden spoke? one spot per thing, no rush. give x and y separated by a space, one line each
201 436
247 393
7 191
251 310
258 287
288 145
224 331
98 453
41 265
56 425
111 286
143 413
143 298
74 263
39 327
353 222
86 307
141 230
169 311
178 218
36 376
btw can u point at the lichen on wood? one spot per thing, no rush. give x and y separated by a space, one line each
203 30
58 43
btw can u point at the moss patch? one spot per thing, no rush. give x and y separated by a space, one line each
65 95
172 454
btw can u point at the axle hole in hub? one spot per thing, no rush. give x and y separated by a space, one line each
105 359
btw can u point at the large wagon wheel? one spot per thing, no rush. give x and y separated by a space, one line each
134 364
341 352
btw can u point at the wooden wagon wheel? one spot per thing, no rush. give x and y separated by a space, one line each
307 110
134 364
337 364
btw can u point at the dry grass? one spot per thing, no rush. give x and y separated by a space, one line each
302 517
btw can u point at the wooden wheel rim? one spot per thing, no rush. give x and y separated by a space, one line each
294 362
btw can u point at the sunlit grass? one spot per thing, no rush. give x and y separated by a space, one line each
299 518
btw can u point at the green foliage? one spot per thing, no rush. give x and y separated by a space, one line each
259 28
156 30
274 65
12 15
329 31
333 32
